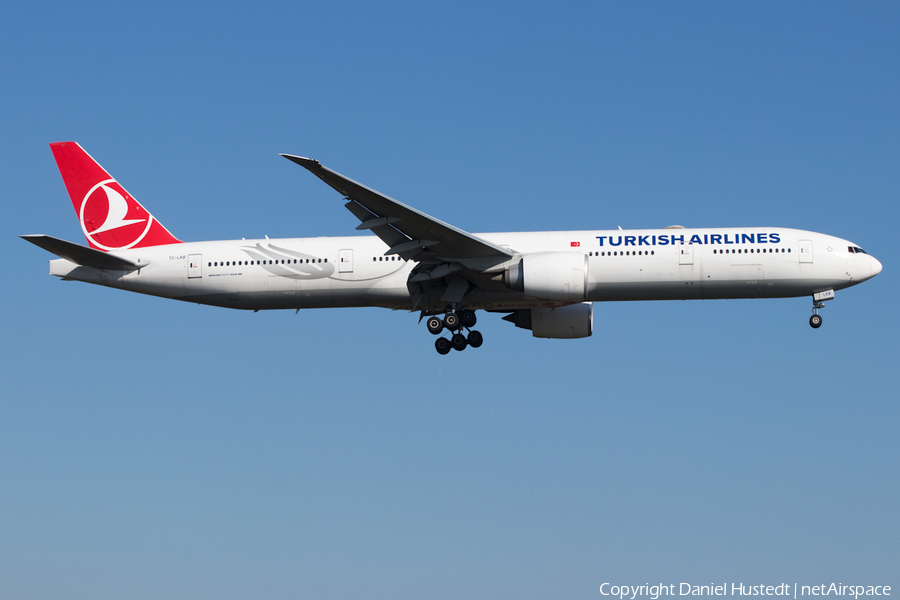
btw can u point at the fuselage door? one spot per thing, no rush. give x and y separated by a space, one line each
195 268
806 254
345 261
685 254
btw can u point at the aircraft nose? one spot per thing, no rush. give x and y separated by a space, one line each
876 266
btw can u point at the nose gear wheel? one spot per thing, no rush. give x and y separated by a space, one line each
815 321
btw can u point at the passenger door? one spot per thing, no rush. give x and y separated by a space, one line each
195 266
806 251
345 261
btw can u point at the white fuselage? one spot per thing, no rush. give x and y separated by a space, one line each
658 264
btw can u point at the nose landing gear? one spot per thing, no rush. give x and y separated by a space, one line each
454 321
815 321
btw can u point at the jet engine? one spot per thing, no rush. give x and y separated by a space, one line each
563 322
560 276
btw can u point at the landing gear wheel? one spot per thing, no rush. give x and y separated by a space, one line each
451 321
815 321
434 325
475 339
442 345
458 341
468 318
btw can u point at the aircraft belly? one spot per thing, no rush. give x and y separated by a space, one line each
387 294
151 281
710 289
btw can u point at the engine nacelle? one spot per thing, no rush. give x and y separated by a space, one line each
563 322
560 276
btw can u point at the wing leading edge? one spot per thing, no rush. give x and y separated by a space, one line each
408 232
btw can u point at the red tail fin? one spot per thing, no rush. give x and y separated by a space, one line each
110 218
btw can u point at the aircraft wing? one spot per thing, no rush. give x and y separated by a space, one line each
82 255
407 231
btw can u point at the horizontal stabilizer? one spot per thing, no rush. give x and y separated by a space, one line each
82 255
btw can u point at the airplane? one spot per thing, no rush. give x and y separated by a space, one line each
545 281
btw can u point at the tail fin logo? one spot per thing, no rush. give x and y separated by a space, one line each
111 219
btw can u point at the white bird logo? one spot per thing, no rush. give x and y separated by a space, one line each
115 216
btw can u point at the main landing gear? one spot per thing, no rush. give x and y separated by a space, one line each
455 321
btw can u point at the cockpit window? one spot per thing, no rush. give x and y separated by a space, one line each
856 250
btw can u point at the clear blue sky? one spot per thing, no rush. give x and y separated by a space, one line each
154 449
